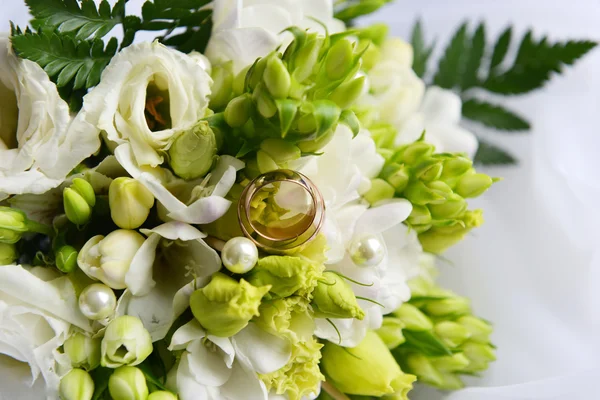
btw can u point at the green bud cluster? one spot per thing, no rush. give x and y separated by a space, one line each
14 223
79 199
438 186
443 339
290 102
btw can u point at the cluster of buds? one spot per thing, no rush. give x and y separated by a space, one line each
293 101
14 224
437 185
79 199
441 339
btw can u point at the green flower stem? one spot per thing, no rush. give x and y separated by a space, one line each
36 227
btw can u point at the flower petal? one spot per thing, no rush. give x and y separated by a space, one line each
266 353
243 384
382 217
187 387
207 367
186 334
139 276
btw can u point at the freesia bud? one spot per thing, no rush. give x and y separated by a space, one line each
130 202
391 332
108 258
368 369
8 253
13 224
420 194
380 190
76 385
455 362
334 298
371 55
225 306
194 152
265 162
429 171
397 176
83 351
77 209
128 383
307 57
238 111
453 207
448 306
338 61
85 190
421 366
125 342
264 102
479 355
473 185
420 215
66 258
346 94
222 87
280 150
479 329
239 82
277 78
455 167
376 32
413 318
162 395
413 153
452 333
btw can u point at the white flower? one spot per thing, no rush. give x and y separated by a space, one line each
439 115
147 95
217 368
171 262
395 91
32 328
39 145
244 30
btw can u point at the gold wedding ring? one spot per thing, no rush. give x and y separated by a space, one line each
281 210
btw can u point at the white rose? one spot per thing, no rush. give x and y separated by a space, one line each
439 115
32 328
38 144
244 30
147 95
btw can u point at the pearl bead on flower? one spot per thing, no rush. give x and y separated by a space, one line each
97 301
367 251
239 255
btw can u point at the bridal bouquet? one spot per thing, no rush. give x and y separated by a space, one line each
251 206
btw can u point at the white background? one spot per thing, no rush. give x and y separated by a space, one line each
534 267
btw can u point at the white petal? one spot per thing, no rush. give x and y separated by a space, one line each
378 219
243 384
227 348
181 300
265 352
202 211
186 334
452 139
187 387
139 276
175 230
207 366
442 105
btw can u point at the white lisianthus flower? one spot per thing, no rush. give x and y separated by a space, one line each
219 368
39 145
244 30
172 260
32 328
439 116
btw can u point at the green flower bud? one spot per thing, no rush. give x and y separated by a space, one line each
66 259
452 333
307 57
277 78
422 367
8 253
83 351
76 385
256 72
370 56
225 306
448 306
334 298
391 332
338 61
376 33
85 190
125 342
265 162
77 209
383 133
346 94
420 194
239 82
453 207
455 167
429 170
473 218
397 176
413 153
368 369
473 185
479 355
13 223
455 362
128 383
280 150
312 146
130 203
222 87
194 152
162 395
238 111
380 190
412 318
479 330
264 102
420 215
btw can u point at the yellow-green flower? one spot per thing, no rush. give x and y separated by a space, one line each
333 298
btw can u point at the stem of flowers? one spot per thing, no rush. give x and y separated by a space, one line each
215 243
333 391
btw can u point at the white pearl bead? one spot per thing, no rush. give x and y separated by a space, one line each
367 251
97 301
239 255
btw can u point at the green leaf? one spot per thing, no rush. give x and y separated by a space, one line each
349 118
420 49
452 63
474 58
493 116
349 10
65 59
501 48
82 20
488 154
425 342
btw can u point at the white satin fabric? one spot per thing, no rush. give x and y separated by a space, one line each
534 267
